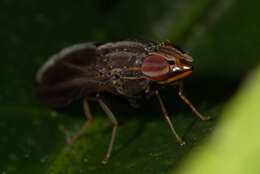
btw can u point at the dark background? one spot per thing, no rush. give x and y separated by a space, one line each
222 37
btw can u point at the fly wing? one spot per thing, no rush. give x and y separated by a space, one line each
68 76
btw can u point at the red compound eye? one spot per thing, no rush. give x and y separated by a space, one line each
155 68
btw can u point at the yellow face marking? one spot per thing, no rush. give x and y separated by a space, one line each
177 77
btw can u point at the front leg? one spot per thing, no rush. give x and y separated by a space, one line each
190 104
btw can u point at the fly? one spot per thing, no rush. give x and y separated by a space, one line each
131 69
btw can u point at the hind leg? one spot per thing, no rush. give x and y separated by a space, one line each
88 116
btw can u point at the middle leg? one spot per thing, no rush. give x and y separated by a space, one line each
168 118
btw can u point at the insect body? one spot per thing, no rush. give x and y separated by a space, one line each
126 68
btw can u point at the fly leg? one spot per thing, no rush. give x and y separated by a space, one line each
168 118
115 123
88 121
190 104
